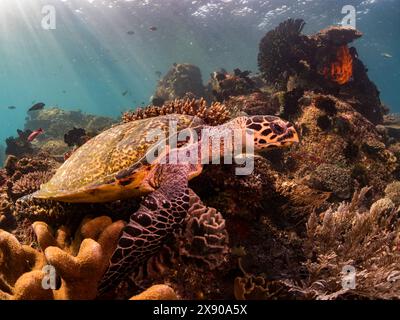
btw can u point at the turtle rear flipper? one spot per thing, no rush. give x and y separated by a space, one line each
161 212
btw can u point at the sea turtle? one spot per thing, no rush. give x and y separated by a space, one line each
116 165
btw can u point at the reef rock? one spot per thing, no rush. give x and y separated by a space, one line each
224 85
324 61
57 122
179 82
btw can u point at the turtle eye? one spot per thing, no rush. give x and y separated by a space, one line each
278 128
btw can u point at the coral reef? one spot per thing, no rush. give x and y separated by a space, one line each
205 238
214 114
284 52
323 62
57 123
157 292
30 183
297 224
19 146
354 236
224 85
180 80
392 192
253 104
80 263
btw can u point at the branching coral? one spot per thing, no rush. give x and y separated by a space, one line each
354 237
79 263
213 115
30 183
205 238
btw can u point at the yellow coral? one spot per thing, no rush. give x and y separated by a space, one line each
80 264
157 292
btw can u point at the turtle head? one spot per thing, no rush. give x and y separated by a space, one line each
271 132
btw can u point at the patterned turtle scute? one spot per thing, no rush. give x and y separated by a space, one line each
99 161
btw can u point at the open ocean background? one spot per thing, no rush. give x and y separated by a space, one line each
90 60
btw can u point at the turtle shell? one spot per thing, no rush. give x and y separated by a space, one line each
89 175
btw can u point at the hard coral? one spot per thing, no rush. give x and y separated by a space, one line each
30 183
19 146
80 263
214 114
157 292
392 192
224 85
205 238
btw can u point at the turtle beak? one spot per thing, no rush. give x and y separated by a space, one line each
291 137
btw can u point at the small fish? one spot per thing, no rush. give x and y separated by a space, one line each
158 74
37 106
12 107
35 134
125 93
131 32
153 28
386 55
64 91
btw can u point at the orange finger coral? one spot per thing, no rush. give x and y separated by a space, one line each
80 263
157 292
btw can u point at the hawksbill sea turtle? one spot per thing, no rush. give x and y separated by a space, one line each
114 165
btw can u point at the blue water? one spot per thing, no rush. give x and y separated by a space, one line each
89 60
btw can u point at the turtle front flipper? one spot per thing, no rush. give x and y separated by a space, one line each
161 212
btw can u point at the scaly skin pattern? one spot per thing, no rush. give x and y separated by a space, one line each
161 212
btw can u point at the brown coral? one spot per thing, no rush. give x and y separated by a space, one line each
6 209
80 263
157 292
30 183
214 114
258 288
205 238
